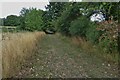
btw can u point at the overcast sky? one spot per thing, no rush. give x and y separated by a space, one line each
13 8
9 7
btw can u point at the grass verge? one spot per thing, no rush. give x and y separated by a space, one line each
16 48
91 49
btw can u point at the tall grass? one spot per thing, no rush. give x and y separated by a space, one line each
16 48
92 49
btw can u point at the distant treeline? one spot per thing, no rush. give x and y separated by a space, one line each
29 19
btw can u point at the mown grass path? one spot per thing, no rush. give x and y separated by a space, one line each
58 58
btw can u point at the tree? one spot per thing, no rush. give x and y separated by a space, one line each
53 11
31 19
1 21
23 13
69 14
12 20
108 8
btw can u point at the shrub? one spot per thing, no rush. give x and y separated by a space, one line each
79 27
31 19
92 33
63 23
108 40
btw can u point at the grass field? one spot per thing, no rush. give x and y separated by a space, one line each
16 48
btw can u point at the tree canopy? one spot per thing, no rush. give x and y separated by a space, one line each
31 19
12 20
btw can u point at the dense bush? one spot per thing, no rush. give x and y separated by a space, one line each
63 23
108 39
70 13
12 20
79 27
31 19
92 34
49 27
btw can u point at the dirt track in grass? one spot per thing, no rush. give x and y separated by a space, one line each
58 58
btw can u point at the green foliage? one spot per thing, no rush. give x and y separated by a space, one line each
49 27
74 21
23 13
31 19
12 20
109 38
70 13
92 34
63 23
110 9
1 21
79 27
53 11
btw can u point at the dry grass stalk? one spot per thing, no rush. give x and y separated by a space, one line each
16 47
85 45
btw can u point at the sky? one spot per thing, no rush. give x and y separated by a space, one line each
13 7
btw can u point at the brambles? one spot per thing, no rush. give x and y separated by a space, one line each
108 40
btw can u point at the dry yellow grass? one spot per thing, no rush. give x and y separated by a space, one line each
16 47
85 45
